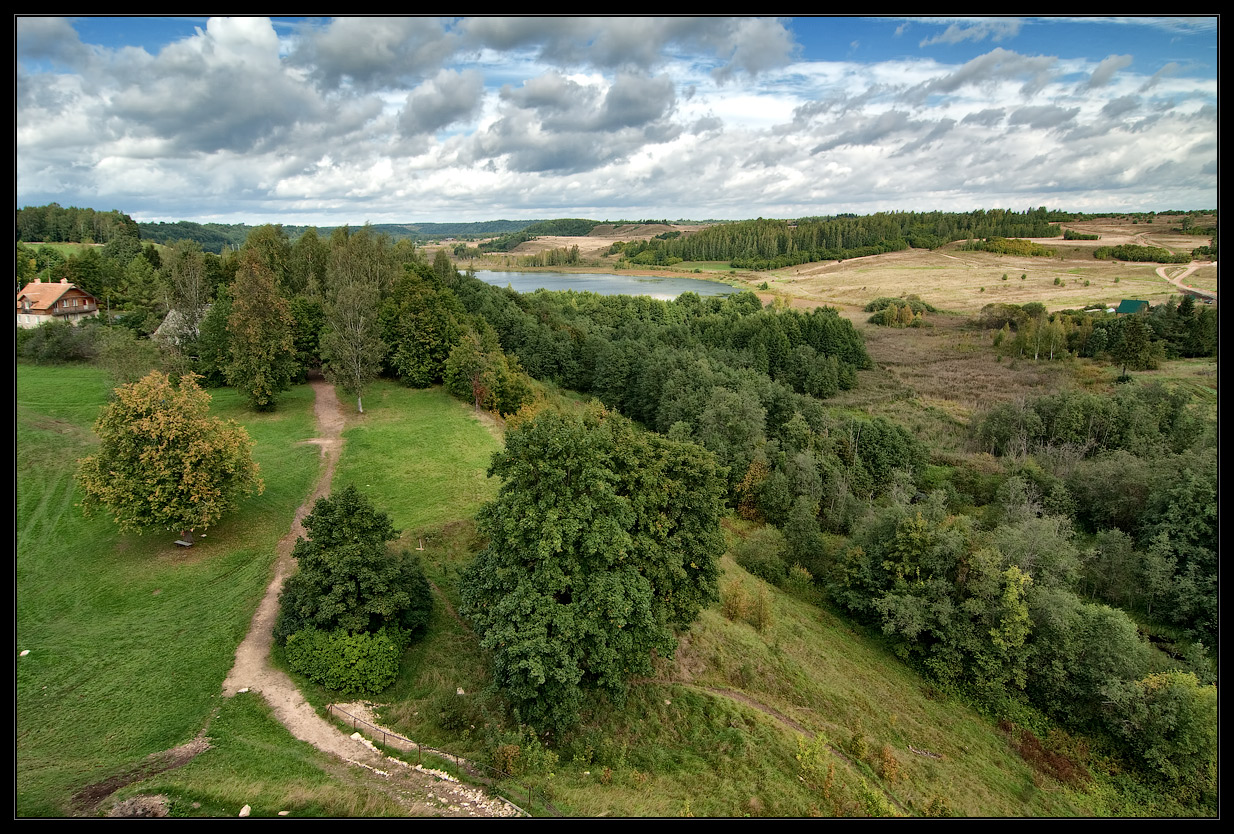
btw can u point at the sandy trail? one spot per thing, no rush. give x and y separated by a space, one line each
1177 280
252 670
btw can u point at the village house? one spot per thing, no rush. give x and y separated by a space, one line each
40 302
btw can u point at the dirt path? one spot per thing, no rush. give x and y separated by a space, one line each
421 794
1177 280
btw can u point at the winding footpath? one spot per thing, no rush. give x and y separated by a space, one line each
418 792
1177 280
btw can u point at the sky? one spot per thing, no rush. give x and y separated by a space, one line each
308 121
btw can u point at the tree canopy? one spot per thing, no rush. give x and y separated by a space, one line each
163 461
602 540
348 579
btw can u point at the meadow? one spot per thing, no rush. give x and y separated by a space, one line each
129 636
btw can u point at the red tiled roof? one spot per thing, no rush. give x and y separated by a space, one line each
42 295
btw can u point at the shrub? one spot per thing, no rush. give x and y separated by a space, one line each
760 611
734 602
362 663
57 342
889 766
762 554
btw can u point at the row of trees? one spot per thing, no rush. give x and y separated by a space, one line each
1136 342
54 224
773 244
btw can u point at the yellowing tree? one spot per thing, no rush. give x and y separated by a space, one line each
163 461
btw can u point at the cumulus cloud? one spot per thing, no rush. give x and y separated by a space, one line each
554 123
373 52
1106 69
1044 117
222 89
1119 107
356 119
871 130
737 45
988 117
1165 72
48 39
441 101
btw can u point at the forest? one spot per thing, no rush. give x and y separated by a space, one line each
1062 570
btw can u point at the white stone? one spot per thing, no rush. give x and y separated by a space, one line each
284 813
24 652
244 812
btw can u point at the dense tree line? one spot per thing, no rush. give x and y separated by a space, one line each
54 224
772 244
1136 342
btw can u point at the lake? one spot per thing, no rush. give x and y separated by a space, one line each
665 289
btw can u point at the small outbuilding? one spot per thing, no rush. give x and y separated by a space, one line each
44 301
1131 305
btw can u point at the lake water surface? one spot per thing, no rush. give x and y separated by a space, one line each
664 289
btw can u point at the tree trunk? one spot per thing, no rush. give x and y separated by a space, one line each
359 405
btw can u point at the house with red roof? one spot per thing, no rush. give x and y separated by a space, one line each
43 301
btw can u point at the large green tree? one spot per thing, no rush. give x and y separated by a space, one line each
348 579
602 540
163 461
261 350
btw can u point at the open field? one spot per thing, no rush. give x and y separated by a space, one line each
129 636
421 454
964 282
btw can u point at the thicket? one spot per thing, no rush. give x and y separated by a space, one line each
353 605
561 256
1009 246
1133 252
1137 471
1072 234
913 302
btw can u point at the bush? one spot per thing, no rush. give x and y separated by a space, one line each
57 342
361 664
762 554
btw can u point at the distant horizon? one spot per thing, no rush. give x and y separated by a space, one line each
326 122
606 221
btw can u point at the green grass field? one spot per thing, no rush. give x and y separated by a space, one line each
420 454
129 636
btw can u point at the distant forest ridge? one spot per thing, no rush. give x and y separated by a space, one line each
750 244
